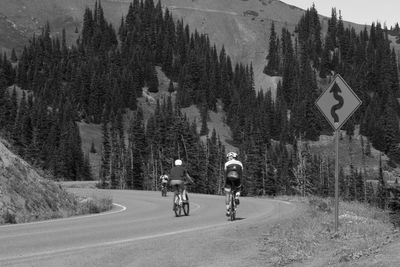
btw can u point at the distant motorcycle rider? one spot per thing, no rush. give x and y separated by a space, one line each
233 175
178 175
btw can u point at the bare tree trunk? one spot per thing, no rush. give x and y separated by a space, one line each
155 177
152 168
123 170
131 165
184 146
304 177
160 156
329 176
207 182
219 175
321 165
364 172
266 171
220 168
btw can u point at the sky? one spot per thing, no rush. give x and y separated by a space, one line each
358 11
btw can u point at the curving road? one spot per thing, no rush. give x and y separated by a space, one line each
143 231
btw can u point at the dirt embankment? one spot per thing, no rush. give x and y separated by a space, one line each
26 196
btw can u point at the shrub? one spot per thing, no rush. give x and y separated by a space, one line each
94 205
9 217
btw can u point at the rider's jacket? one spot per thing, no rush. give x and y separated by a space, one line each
233 169
178 173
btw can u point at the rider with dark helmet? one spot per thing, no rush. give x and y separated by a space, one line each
233 175
178 175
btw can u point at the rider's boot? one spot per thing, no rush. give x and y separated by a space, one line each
227 211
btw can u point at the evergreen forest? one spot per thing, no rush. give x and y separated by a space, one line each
100 77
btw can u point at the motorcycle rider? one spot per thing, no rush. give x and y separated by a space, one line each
233 175
178 175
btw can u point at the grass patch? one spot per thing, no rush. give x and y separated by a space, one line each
310 238
79 184
94 204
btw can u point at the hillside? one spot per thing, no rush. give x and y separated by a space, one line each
242 26
26 196
350 151
215 121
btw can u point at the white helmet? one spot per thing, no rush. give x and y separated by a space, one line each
178 162
232 154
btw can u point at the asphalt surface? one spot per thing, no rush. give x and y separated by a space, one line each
142 230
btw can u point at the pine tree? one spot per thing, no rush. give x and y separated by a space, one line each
325 61
138 150
272 67
289 65
381 192
11 115
3 101
105 157
171 88
152 81
13 56
204 118
213 163
18 128
303 184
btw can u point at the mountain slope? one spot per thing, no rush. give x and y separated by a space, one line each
242 26
25 195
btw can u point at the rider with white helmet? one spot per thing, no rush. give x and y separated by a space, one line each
178 175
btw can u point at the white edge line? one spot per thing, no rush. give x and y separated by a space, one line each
108 243
123 208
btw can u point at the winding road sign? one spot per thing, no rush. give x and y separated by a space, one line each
338 102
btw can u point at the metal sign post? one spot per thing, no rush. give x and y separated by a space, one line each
337 181
337 103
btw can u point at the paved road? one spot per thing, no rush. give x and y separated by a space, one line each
142 231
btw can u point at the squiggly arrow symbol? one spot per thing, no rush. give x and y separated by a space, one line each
336 90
